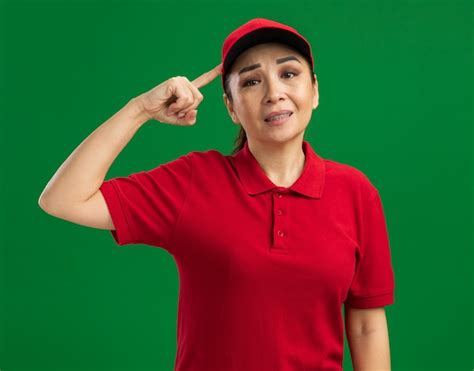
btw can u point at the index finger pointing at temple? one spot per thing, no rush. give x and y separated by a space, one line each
207 77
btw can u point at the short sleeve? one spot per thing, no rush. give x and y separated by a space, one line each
373 283
146 205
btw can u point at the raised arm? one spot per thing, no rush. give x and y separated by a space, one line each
73 192
78 179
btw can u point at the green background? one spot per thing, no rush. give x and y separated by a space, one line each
395 84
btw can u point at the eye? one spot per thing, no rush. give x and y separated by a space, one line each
290 72
247 82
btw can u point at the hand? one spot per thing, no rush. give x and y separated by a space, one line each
174 96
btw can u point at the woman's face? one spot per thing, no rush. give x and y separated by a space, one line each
271 86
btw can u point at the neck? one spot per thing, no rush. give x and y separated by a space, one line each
283 163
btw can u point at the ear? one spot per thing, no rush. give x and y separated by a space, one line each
230 109
315 92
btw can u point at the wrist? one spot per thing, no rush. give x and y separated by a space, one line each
138 114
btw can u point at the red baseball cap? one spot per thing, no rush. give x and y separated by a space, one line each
259 31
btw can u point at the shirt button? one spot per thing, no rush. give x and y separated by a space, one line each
279 212
279 195
280 233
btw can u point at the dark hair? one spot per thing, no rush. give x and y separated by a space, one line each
241 138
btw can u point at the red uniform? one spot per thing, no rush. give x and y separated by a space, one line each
263 270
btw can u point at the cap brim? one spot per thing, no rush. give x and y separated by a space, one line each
266 35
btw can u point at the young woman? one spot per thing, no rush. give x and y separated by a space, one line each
269 241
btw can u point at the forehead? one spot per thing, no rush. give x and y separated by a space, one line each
267 51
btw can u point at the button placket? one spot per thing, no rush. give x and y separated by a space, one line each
280 231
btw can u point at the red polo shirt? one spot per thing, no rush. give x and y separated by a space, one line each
263 270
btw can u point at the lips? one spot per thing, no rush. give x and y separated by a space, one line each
276 113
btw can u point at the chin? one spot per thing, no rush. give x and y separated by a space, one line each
283 137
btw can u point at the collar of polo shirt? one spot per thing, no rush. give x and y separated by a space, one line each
255 181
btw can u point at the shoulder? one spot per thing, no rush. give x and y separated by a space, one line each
210 160
349 176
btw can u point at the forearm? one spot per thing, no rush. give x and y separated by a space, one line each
370 351
83 172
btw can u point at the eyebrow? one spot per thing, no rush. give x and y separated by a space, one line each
280 60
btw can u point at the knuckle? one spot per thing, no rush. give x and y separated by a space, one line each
184 100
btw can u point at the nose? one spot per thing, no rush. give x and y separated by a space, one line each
274 91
